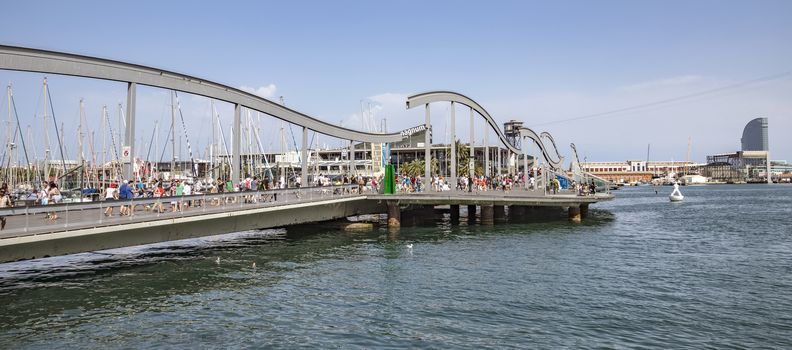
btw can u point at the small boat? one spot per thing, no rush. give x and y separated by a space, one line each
676 196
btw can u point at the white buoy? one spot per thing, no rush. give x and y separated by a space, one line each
676 196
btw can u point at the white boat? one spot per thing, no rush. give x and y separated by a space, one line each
676 196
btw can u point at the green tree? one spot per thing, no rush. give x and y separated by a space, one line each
463 161
416 167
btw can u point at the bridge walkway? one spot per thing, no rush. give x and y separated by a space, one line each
35 220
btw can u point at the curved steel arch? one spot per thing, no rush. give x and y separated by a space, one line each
449 96
547 135
575 153
528 133
42 61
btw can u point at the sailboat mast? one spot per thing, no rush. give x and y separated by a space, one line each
35 154
63 161
156 147
687 159
8 134
92 163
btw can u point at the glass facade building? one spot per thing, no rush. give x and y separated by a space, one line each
754 137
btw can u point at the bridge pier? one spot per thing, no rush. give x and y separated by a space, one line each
574 214
454 213
471 210
417 215
487 214
516 212
394 215
499 212
584 209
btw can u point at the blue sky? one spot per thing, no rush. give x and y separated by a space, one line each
539 62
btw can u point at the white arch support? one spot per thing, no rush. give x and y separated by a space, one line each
530 134
449 96
42 61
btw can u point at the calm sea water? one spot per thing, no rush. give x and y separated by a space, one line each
712 272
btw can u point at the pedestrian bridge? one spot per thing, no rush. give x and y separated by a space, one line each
83 227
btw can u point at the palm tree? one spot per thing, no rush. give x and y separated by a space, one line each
463 161
416 167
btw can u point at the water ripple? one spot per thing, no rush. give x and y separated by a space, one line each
713 272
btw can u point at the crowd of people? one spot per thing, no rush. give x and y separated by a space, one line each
504 183
49 193
441 183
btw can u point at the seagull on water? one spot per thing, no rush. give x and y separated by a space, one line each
217 261
409 246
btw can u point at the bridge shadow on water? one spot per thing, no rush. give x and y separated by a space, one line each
158 276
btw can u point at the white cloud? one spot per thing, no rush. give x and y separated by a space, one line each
267 91
665 82
373 109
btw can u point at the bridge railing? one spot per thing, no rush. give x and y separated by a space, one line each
38 219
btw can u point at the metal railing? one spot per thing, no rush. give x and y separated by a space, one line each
38 219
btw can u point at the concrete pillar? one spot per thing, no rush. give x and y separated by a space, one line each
584 208
516 212
129 136
513 169
472 163
471 209
452 128
237 142
352 169
525 169
454 213
304 159
499 162
574 214
488 214
769 177
487 170
394 215
499 212
427 149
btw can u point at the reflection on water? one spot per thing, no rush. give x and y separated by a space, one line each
714 270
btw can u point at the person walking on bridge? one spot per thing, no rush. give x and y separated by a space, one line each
125 193
111 195
5 202
159 192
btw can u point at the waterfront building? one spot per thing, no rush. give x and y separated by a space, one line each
369 159
631 171
751 164
754 137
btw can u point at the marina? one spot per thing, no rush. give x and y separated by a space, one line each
395 175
